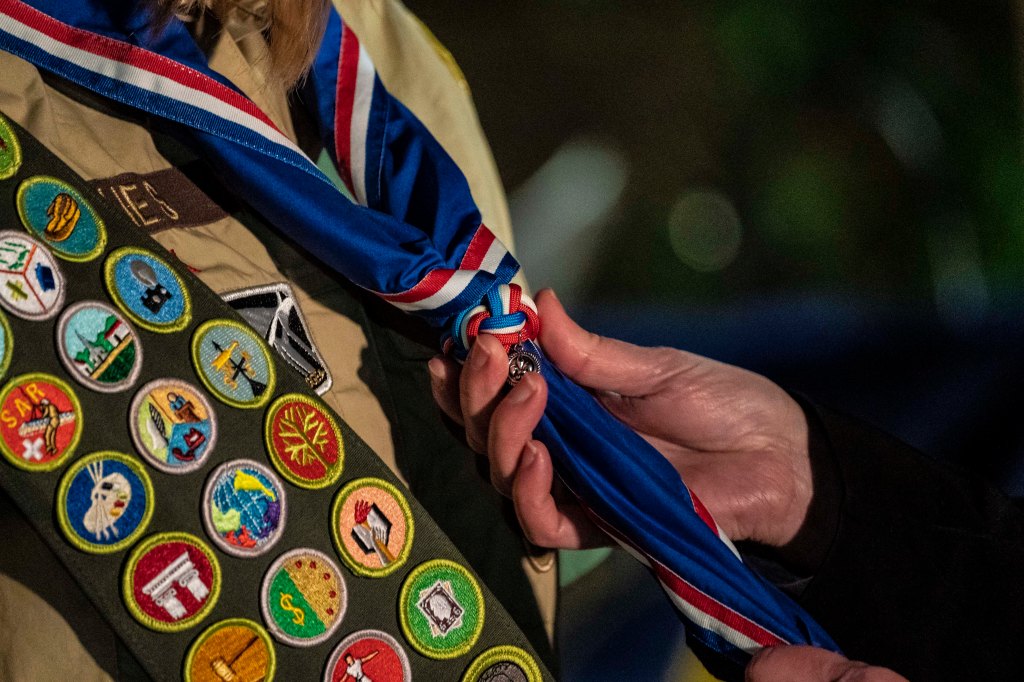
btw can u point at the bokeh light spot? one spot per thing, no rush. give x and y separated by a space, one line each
704 229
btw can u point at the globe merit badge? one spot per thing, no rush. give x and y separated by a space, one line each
31 283
233 649
303 597
148 290
441 609
304 441
372 526
55 212
98 346
244 508
368 655
40 422
173 425
104 502
234 363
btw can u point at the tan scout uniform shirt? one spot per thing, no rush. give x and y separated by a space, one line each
229 257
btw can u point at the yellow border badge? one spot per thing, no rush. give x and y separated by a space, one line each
10 150
233 649
57 213
304 441
40 421
148 290
441 609
8 344
234 363
503 663
372 526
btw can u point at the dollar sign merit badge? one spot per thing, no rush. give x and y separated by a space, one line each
298 616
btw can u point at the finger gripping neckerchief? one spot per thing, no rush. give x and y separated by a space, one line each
416 239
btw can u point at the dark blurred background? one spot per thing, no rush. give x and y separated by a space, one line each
829 193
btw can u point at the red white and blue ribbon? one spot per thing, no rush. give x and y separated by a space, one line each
414 237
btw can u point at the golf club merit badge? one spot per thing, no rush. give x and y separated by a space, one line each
372 526
98 346
244 507
171 581
104 502
304 441
234 363
441 609
234 649
303 597
55 212
147 289
10 150
503 664
40 421
31 282
368 655
173 425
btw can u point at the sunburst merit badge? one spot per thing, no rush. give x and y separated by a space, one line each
304 441
441 609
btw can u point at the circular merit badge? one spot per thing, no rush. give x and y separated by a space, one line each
31 283
244 507
6 344
148 290
441 609
104 502
234 649
372 526
303 597
10 150
173 425
57 213
233 363
503 664
40 422
368 655
98 346
304 441
171 581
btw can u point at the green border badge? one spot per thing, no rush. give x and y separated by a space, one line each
372 526
503 663
10 150
234 363
441 609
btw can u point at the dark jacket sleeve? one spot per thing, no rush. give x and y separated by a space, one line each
924 573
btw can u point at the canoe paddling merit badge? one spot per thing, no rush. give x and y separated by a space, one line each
171 581
372 527
234 649
503 664
234 363
40 422
304 441
368 655
31 283
441 609
104 502
55 212
10 150
98 346
148 290
244 507
173 425
303 597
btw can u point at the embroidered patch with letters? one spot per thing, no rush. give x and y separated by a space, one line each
372 526
54 211
98 346
31 283
233 649
233 363
503 664
368 655
173 425
441 609
303 597
164 199
274 312
40 421
171 581
104 502
10 150
304 441
244 507
148 290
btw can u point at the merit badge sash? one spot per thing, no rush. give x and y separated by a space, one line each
405 227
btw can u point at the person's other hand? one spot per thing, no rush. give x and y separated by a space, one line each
809 664
738 440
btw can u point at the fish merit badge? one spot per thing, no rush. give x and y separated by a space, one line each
98 346
55 212
104 502
503 664
372 526
31 283
148 290
244 507
234 649
304 441
10 150
441 609
40 422
171 581
368 655
303 597
173 425
234 363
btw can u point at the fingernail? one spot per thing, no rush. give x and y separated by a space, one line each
530 453
478 355
435 366
522 392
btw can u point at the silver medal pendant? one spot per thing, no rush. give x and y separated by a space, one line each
520 363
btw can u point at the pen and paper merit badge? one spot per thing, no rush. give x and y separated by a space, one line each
98 346
372 526
303 598
441 609
233 650
244 508
40 421
31 283
304 441
368 655
233 363
55 212
173 425
147 289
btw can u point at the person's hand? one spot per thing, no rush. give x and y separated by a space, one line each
808 664
738 440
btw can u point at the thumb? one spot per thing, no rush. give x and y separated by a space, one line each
810 664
